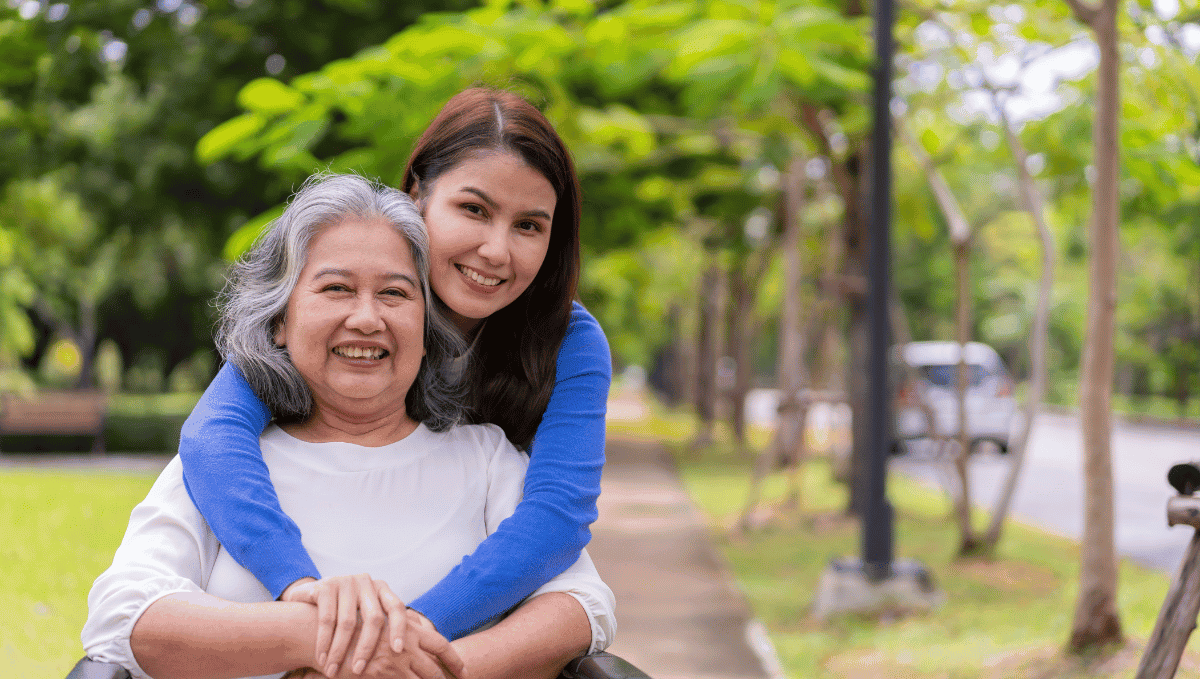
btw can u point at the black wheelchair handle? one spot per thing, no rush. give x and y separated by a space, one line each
601 666
92 669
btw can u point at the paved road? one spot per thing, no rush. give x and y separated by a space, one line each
1050 492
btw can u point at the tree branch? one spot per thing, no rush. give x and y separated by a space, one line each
960 229
1085 13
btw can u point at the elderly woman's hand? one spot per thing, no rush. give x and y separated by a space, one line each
349 606
426 655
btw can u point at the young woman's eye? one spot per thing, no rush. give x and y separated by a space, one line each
529 226
473 208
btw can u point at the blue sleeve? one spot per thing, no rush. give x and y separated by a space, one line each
224 473
549 528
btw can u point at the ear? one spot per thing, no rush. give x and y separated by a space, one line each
280 333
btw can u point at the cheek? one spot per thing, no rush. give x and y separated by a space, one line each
535 258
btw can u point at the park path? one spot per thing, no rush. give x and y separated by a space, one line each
679 613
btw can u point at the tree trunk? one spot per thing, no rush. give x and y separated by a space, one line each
739 338
789 432
1039 336
86 339
960 237
1096 622
708 334
1176 619
968 542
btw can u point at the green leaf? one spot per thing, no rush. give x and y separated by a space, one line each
707 40
269 97
248 233
223 138
796 67
840 76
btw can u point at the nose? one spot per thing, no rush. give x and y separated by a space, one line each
494 246
365 316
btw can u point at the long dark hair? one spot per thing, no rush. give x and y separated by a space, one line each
511 375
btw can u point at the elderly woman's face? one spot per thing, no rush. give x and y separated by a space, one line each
354 325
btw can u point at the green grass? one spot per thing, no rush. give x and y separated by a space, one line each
1006 616
58 531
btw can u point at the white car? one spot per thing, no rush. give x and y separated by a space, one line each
930 373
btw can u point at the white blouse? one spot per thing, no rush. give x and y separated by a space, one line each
406 513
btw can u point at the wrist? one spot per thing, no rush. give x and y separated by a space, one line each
422 619
284 595
300 644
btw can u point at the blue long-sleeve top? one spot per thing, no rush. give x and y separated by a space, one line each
226 477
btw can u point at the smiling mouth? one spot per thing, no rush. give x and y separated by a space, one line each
478 277
370 353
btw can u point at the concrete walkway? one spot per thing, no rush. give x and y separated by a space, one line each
679 613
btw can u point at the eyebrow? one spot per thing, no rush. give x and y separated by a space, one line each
492 204
391 275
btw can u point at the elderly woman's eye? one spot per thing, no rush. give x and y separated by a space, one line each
399 292
335 287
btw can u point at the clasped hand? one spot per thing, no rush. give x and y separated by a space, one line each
389 640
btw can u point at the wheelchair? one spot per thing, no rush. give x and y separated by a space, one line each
594 666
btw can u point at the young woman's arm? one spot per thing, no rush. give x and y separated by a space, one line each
549 528
226 477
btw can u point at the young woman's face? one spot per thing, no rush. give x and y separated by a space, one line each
489 221
354 325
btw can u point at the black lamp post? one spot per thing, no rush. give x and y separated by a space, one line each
877 528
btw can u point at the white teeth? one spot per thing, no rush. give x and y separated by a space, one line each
482 280
359 352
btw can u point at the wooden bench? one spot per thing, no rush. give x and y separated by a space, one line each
59 413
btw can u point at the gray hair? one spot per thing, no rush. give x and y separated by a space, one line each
256 294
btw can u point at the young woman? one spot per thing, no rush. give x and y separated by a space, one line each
501 202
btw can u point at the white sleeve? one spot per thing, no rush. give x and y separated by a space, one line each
168 548
506 477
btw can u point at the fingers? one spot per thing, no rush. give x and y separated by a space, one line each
397 616
371 619
346 623
423 664
326 595
436 644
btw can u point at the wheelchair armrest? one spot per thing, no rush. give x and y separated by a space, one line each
92 669
601 666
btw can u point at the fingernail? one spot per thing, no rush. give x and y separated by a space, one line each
321 659
360 666
333 668
397 645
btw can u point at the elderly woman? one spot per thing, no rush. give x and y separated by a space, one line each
330 319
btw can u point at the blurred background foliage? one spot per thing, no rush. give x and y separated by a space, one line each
148 143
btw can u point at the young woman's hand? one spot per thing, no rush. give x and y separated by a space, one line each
351 606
